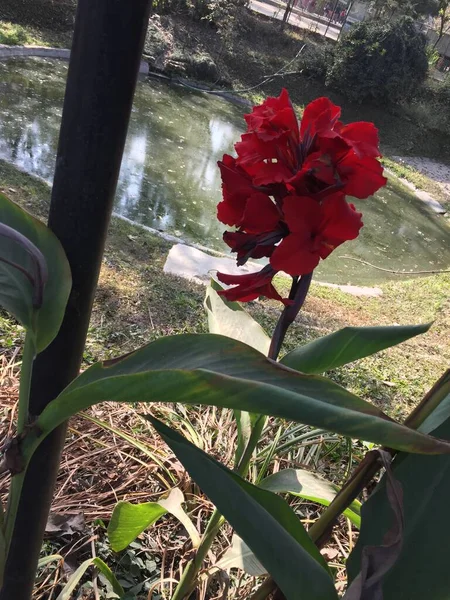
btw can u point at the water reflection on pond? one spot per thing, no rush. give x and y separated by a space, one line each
169 179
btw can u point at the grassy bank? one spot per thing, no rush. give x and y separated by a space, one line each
14 34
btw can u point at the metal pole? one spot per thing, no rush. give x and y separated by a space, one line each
104 64
331 18
347 12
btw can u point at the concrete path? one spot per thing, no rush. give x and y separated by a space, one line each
196 265
45 52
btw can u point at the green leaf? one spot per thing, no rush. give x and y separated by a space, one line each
310 486
215 370
347 345
263 520
16 291
231 319
240 556
75 578
421 570
130 520
46 560
245 423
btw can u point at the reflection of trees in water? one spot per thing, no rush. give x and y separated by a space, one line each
30 104
179 183
30 146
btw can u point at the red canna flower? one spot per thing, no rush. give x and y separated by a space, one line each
285 191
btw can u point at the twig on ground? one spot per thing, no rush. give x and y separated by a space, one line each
364 262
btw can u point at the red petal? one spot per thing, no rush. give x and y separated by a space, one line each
268 173
302 215
363 138
250 286
234 178
231 210
341 221
261 214
236 187
318 117
251 149
247 279
320 166
273 118
295 256
362 176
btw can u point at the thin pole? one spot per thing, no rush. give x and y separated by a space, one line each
331 18
104 64
347 13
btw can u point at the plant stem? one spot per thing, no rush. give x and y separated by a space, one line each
188 579
246 457
29 354
298 293
299 290
8 520
266 588
430 401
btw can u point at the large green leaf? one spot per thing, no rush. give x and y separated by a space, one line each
310 486
347 345
214 370
421 570
16 290
129 520
263 520
231 319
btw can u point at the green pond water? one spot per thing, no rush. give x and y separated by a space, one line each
169 179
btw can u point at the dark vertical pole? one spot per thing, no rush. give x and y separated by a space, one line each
331 18
104 63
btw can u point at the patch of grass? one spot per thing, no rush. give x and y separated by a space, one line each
14 34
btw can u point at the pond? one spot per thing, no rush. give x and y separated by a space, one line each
169 179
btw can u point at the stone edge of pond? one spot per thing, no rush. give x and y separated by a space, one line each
7 51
